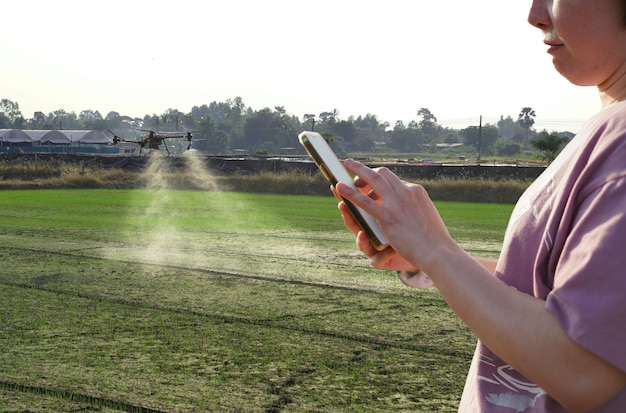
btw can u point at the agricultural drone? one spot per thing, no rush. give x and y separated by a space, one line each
154 140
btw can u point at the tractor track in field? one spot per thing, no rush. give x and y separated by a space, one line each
93 401
276 323
78 253
279 322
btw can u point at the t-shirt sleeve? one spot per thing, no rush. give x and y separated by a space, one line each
590 278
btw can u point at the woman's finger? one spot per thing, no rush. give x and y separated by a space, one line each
375 179
359 183
373 195
364 244
348 219
334 191
356 197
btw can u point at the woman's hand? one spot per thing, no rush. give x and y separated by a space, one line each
405 214
386 259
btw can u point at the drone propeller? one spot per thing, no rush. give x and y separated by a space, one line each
117 139
162 135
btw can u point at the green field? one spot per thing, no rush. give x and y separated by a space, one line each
187 301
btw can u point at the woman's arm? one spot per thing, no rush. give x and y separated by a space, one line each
488 263
515 326
521 331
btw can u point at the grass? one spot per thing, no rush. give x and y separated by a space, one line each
180 301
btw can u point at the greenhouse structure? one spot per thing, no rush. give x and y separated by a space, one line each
66 141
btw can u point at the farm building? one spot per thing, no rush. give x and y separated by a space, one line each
48 137
87 137
14 136
87 141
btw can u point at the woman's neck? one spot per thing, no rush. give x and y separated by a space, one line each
613 90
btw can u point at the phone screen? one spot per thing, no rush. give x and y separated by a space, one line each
334 171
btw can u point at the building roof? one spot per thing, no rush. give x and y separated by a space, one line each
93 137
54 137
48 137
14 136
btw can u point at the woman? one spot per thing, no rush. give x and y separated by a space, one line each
551 322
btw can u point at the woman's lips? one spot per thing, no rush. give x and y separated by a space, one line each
553 47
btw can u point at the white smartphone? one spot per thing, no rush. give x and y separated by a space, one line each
332 168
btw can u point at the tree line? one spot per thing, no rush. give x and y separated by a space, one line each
224 127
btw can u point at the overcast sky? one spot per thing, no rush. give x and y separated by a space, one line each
460 59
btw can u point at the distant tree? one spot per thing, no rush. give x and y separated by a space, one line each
172 120
427 116
200 112
11 112
90 119
406 139
116 121
149 122
39 121
329 118
346 130
218 111
526 119
483 138
206 137
369 130
64 120
508 148
259 128
309 119
269 129
285 128
59 116
218 143
234 123
236 111
452 136
510 129
428 123
550 145
5 122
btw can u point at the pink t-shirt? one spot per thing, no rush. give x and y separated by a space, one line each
566 244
